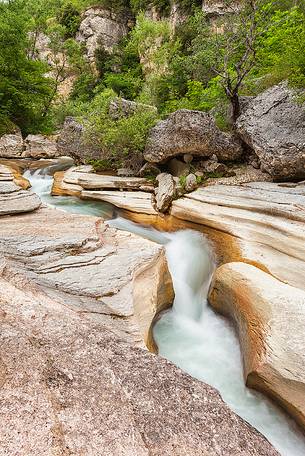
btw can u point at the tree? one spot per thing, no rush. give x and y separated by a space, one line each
23 86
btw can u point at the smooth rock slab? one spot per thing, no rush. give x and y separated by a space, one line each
70 386
90 265
13 199
263 223
140 202
270 319
90 181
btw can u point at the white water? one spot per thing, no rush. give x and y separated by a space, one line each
191 335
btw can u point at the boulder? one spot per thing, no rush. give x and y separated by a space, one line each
177 167
260 223
273 125
13 198
120 107
190 182
11 145
190 132
72 385
165 192
101 26
39 146
270 318
73 142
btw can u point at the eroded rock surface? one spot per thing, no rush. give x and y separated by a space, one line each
273 125
90 263
270 318
14 198
190 132
95 391
72 142
11 145
101 27
165 192
39 146
259 222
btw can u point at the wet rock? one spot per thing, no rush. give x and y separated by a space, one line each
273 125
11 145
39 146
190 182
101 27
190 132
165 192
72 385
270 317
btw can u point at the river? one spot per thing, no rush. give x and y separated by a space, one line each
191 334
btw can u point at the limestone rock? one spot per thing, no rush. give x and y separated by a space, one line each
215 8
39 146
101 26
134 201
120 107
270 319
261 223
13 199
72 142
190 182
88 265
190 132
70 385
273 125
92 181
11 145
165 192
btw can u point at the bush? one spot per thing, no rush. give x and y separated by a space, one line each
121 141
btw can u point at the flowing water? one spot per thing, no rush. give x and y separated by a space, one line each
191 335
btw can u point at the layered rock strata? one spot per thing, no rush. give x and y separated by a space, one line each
13 198
270 318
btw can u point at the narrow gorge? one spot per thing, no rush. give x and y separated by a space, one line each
152 209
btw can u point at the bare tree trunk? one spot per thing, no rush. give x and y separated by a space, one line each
234 99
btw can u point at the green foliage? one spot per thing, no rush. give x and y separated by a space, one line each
69 17
24 89
121 141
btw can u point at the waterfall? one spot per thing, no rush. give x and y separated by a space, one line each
191 334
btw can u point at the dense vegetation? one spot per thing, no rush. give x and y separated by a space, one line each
201 64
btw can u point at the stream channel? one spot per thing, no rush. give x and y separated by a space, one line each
191 334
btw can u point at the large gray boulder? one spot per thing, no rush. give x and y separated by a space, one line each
101 26
273 125
190 132
11 145
72 142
